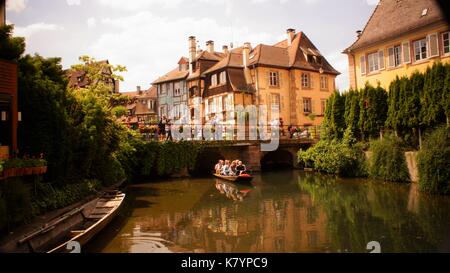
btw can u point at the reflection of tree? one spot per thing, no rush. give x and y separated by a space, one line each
359 212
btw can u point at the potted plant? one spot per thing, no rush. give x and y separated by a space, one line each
28 164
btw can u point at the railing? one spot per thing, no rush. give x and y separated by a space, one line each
293 132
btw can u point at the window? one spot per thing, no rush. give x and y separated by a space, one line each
372 59
274 79
163 111
162 89
229 103
323 82
420 50
310 59
177 89
275 102
224 103
446 43
363 65
323 106
214 80
307 105
223 77
80 78
306 80
211 106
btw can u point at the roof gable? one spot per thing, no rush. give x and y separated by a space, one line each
392 18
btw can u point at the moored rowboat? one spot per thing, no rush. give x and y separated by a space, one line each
80 224
95 219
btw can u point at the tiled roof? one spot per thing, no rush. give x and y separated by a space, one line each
231 60
173 75
392 18
294 56
210 56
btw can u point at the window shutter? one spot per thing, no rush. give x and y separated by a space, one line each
363 65
311 81
279 79
406 53
381 59
312 106
206 107
391 57
281 103
433 47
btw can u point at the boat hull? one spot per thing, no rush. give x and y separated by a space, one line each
235 179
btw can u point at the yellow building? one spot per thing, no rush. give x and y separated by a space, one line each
291 77
294 77
400 37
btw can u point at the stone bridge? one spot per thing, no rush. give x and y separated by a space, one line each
250 153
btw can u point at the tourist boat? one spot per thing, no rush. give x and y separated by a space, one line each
78 225
243 178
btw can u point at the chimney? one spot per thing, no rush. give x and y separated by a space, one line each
139 91
290 35
358 33
2 12
210 46
225 49
246 53
192 52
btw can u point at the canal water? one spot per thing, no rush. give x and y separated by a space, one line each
288 211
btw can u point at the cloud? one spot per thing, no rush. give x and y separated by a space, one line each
32 29
73 2
16 5
140 4
150 45
91 22
372 2
340 62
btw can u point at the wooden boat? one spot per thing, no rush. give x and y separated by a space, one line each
79 225
235 178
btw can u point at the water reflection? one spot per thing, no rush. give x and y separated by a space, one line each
235 192
280 212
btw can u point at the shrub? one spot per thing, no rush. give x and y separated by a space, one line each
388 161
434 163
344 158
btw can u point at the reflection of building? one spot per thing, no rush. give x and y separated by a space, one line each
400 37
288 224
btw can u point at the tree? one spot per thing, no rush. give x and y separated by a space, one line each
373 109
352 112
11 48
432 111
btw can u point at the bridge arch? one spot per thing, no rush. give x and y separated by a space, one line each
279 159
206 161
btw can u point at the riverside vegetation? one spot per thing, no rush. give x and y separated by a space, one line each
386 124
77 130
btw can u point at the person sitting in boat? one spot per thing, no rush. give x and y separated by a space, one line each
233 166
218 167
240 168
226 168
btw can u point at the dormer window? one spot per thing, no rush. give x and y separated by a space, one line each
223 77
310 59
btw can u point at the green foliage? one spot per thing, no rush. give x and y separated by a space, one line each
48 198
334 123
387 160
434 94
434 162
373 109
119 111
352 110
15 201
11 48
344 158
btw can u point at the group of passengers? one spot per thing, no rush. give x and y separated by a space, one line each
230 168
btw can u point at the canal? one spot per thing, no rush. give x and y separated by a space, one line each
288 211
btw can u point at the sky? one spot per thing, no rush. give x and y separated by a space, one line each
150 36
